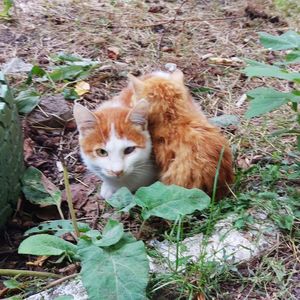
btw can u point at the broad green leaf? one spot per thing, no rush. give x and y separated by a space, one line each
27 100
170 201
70 94
112 233
7 5
288 40
58 227
116 272
38 189
225 120
264 70
293 57
123 200
70 72
46 244
266 100
12 284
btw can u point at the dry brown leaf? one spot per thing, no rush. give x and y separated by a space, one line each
233 61
39 262
113 53
82 87
28 148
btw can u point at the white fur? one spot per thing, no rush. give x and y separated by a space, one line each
138 168
162 74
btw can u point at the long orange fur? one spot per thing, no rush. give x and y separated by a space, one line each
186 146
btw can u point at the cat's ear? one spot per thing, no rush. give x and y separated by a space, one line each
137 85
85 119
177 76
139 113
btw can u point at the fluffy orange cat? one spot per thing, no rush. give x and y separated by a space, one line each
186 146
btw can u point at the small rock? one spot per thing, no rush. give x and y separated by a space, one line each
54 112
16 65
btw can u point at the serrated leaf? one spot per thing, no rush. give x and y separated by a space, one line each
112 233
264 70
58 227
27 100
118 272
46 244
284 221
288 40
170 201
266 100
225 120
38 189
123 200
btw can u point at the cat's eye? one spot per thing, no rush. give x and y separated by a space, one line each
129 150
101 152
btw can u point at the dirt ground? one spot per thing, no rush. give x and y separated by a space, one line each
133 37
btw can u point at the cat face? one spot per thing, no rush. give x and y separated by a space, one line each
114 141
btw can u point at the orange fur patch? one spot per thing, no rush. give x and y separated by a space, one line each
186 146
106 117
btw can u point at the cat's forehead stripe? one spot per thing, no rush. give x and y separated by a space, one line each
113 120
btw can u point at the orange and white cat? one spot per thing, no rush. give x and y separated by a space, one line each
186 146
115 144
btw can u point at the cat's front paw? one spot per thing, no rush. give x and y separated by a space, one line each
106 192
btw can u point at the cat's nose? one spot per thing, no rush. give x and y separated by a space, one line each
118 173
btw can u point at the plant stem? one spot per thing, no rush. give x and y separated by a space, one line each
177 242
60 212
12 272
69 200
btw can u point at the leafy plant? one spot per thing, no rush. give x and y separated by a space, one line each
166 201
27 100
38 189
119 262
266 99
7 5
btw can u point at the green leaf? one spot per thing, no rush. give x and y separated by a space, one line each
117 272
58 227
284 221
38 189
123 200
66 57
265 70
288 40
70 72
27 100
35 71
70 94
293 57
112 233
12 284
225 120
170 201
46 244
7 5
266 100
